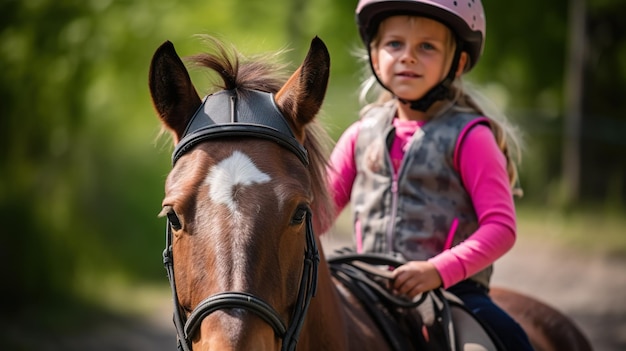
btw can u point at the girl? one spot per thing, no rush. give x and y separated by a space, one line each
427 175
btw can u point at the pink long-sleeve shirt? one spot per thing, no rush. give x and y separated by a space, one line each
482 167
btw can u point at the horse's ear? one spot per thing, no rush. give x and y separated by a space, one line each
301 97
173 94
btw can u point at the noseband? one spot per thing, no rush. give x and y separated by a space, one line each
243 113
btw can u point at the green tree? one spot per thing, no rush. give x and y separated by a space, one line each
39 127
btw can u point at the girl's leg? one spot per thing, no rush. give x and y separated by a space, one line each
476 299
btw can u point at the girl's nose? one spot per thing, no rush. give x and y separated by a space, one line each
408 56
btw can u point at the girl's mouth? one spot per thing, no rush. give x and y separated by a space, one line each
408 74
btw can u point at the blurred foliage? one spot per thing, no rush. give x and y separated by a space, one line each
82 167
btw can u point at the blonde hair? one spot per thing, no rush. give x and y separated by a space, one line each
508 136
464 98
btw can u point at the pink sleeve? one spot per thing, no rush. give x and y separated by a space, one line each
483 171
342 168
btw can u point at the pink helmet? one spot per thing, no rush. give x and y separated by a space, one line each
466 18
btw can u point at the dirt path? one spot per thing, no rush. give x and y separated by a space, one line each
588 289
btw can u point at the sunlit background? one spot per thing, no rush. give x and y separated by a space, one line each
82 165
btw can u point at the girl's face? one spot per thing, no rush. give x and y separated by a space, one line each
411 55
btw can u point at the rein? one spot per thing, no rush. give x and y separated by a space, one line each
243 113
361 274
355 265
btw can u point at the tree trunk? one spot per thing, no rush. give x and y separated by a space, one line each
295 21
573 101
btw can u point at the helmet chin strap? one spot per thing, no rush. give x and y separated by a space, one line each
439 92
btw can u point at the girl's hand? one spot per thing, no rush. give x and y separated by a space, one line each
415 277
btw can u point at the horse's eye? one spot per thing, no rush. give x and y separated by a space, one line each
299 215
172 217
174 220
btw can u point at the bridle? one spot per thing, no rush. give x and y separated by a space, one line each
243 113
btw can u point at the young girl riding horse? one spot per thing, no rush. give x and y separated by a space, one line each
428 175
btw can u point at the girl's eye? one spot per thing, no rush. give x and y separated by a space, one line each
427 46
394 44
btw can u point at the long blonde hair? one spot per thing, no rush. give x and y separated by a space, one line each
508 136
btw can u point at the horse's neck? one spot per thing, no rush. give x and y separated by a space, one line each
336 320
325 327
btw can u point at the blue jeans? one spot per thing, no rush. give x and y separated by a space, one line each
476 299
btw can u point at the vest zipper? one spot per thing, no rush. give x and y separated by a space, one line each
394 212
395 180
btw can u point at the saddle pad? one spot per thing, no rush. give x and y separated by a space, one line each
470 334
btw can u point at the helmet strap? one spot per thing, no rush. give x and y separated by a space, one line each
440 91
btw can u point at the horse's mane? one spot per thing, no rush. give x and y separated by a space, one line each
261 72
266 73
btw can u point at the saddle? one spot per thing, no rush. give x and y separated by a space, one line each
435 320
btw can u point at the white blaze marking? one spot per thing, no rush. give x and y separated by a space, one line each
236 170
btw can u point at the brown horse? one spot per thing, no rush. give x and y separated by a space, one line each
248 172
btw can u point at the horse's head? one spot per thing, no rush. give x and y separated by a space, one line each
248 169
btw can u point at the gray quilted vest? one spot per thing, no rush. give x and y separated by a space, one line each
413 215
